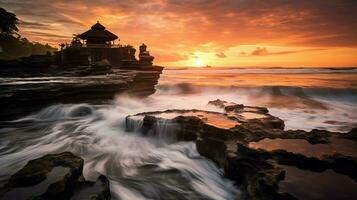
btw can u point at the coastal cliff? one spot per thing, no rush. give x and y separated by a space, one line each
238 140
91 69
32 90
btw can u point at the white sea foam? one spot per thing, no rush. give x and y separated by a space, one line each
136 164
156 166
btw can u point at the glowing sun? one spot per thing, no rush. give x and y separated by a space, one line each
198 62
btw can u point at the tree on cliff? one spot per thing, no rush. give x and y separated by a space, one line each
8 22
12 45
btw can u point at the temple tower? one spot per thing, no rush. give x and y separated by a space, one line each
144 56
98 36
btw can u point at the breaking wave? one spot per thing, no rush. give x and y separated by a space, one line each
153 166
156 166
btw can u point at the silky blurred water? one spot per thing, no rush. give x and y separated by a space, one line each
158 166
303 98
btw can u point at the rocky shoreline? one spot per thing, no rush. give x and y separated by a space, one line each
257 172
24 92
224 137
55 176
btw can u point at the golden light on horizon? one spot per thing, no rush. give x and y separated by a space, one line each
216 35
198 62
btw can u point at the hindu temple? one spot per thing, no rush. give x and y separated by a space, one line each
97 45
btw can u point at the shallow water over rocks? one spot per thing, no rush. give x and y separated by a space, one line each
137 166
158 166
212 118
301 146
24 193
309 185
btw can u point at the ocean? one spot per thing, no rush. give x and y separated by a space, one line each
143 167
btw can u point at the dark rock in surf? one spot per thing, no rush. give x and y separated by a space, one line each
227 106
69 185
257 171
36 170
352 134
80 111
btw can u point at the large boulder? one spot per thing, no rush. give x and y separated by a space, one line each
54 176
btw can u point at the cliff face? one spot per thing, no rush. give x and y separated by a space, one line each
143 83
22 96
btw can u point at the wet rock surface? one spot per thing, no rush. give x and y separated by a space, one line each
351 134
301 146
317 185
54 176
31 91
257 171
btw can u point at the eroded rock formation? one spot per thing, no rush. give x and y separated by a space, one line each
22 95
54 176
225 137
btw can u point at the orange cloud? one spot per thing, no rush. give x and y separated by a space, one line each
220 55
173 28
170 57
264 52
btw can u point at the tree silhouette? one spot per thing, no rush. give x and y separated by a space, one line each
8 22
14 46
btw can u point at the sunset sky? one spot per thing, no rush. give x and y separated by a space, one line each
275 33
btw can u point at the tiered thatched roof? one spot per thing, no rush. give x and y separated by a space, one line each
98 33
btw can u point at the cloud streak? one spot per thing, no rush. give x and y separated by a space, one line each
262 51
221 55
318 22
197 25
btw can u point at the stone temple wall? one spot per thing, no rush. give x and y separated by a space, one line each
79 55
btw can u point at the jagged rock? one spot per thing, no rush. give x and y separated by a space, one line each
259 178
227 106
54 176
233 107
344 164
213 149
257 171
351 135
191 122
313 137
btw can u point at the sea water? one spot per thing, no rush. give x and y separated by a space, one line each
157 166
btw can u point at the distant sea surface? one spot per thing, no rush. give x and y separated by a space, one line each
305 98
153 167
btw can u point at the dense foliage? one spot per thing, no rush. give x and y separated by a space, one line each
8 22
12 45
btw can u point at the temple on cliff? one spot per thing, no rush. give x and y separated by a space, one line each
98 45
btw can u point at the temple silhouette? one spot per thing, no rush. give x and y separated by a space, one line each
100 45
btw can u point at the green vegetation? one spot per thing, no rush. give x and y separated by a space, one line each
12 45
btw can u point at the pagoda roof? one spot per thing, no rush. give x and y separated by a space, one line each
98 32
